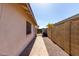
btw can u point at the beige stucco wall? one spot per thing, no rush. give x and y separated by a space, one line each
13 38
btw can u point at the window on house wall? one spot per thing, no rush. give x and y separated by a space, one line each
28 28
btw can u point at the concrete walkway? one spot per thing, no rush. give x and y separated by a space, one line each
45 47
39 48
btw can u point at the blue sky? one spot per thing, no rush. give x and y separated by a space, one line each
53 12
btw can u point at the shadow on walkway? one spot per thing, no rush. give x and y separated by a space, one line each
27 49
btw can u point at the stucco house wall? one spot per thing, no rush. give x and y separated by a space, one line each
13 38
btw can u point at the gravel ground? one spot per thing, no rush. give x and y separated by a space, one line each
53 49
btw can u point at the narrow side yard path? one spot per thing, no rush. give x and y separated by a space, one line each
39 48
43 46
